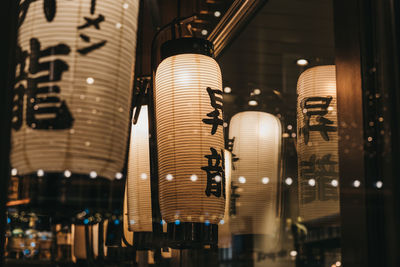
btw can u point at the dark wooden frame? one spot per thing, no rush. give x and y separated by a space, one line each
367 61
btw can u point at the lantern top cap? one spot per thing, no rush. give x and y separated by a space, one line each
187 46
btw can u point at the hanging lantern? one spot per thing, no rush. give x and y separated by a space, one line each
255 141
138 183
138 179
188 109
73 86
317 145
224 231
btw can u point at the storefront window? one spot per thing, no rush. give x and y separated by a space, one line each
201 133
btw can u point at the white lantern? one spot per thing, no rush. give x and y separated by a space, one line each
224 231
188 109
138 179
256 138
317 143
73 86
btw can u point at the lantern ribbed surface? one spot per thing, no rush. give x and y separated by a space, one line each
224 231
257 145
76 116
138 180
317 143
184 140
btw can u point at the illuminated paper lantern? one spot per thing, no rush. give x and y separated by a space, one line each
188 109
224 231
73 86
138 179
255 140
317 143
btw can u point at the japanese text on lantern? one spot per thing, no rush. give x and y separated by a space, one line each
215 168
323 170
94 21
314 109
38 80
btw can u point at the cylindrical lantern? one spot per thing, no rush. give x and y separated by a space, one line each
73 86
138 179
255 139
188 109
317 144
224 231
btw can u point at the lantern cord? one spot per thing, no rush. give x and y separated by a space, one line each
144 87
153 42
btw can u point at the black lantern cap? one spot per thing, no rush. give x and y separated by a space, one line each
187 46
192 235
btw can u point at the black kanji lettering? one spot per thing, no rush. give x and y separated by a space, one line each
92 22
215 173
316 106
216 103
45 110
86 50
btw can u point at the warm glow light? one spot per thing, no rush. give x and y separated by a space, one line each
14 172
289 181
379 184
338 264
302 62
227 90
217 14
90 80
257 91
204 32
334 183
356 183
67 173
93 174
311 182
242 180
182 103
253 103
40 173
65 126
119 176
293 253
265 180
193 177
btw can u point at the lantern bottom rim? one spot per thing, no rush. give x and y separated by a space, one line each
192 235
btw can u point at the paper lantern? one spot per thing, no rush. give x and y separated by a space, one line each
188 109
138 179
317 144
255 139
224 231
73 86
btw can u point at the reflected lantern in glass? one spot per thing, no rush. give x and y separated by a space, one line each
255 140
317 143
